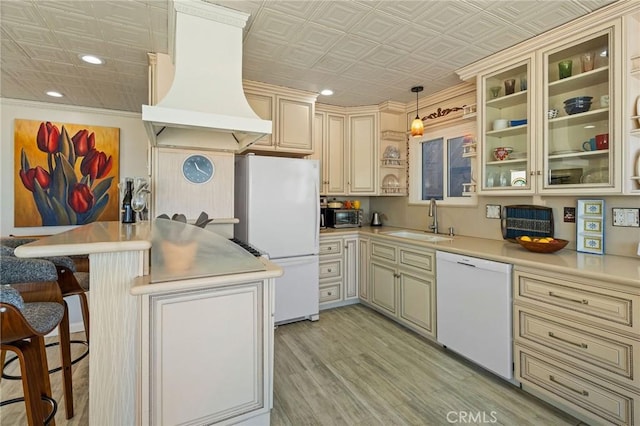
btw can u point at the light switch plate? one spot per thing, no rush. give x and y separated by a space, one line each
626 217
493 211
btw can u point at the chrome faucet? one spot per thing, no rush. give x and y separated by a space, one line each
433 212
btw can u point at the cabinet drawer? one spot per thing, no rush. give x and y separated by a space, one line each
331 269
383 251
416 258
600 351
330 247
592 303
330 293
588 395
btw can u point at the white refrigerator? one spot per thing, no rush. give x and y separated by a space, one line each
277 204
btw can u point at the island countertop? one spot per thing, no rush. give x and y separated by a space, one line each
96 237
232 263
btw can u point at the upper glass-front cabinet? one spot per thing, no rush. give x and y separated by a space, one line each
579 140
506 129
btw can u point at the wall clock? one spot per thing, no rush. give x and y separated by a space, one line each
198 169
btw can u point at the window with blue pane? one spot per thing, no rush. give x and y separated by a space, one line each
440 171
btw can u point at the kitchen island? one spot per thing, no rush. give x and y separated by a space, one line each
133 296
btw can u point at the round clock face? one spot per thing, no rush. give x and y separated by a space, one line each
198 169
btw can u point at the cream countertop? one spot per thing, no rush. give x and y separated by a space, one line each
112 237
617 269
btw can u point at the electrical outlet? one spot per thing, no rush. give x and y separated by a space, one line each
626 217
493 211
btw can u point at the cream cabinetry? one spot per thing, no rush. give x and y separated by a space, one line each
292 114
229 339
330 149
363 153
576 344
631 120
560 148
349 153
402 284
338 270
501 109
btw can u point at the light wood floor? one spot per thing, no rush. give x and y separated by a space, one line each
356 367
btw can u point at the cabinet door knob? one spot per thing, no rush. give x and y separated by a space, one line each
329 270
532 173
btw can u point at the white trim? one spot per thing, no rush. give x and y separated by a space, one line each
70 108
415 187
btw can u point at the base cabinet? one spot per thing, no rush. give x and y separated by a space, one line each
383 286
402 284
576 345
339 276
210 355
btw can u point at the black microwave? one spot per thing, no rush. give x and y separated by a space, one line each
342 218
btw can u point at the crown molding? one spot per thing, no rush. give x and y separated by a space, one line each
68 108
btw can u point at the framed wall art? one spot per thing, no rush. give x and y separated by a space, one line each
65 174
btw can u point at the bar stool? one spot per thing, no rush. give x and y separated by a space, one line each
23 327
73 278
18 271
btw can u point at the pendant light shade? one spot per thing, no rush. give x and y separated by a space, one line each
417 126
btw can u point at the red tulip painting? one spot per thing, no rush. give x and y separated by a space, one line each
65 173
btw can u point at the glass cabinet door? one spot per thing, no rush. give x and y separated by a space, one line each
506 129
578 148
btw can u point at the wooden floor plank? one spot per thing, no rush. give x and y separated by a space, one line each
355 367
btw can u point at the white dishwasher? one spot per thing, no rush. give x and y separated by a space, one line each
474 310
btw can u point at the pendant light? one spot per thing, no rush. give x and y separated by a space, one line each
417 126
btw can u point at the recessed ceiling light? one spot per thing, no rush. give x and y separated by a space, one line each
54 94
92 59
589 126
326 92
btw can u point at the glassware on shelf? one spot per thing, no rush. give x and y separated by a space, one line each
510 86
565 68
495 91
587 60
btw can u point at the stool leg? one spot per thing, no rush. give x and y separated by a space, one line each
34 377
3 356
65 359
84 305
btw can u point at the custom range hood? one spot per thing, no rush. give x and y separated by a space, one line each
205 107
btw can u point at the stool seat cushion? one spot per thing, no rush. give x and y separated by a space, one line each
22 270
11 296
43 316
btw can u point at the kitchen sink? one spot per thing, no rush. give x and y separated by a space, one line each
418 236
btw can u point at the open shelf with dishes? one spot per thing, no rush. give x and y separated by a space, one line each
578 123
393 163
505 128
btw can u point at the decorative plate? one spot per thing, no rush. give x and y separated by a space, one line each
390 181
519 182
391 152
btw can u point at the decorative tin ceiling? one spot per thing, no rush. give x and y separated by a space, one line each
366 51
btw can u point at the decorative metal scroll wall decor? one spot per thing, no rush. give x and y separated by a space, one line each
442 112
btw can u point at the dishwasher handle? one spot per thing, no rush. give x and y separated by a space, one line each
465 264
